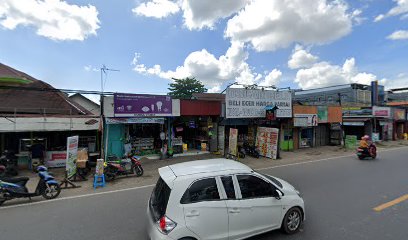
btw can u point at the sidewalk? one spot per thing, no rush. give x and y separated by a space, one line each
150 167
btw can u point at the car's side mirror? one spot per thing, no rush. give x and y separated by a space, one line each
278 194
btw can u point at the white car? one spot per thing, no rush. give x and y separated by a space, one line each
220 199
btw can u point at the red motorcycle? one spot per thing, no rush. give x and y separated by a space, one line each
118 167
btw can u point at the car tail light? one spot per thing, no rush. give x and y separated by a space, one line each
166 225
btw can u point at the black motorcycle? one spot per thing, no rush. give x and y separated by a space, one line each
47 187
8 164
251 150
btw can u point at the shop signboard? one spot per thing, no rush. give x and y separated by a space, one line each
322 113
305 120
233 141
141 105
251 103
353 123
72 155
267 142
134 120
356 111
399 114
384 112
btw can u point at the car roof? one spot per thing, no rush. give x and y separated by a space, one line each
169 173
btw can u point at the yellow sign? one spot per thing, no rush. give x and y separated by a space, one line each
185 148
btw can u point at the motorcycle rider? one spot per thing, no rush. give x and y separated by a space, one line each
364 144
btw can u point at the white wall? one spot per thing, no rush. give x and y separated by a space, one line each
32 124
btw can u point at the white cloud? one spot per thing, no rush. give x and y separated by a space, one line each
90 68
157 8
269 25
54 19
401 8
272 79
212 71
399 35
324 74
301 58
199 14
399 82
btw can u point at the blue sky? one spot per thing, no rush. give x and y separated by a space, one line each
287 43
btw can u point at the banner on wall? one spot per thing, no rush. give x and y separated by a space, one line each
233 141
267 142
141 105
384 112
251 103
399 114
72 155
305 120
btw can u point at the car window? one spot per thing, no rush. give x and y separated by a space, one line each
228 186
159 199
201 190
274 180
254 187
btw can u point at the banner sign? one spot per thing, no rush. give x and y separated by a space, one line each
267 142
141 105
134 120
233 141
72 155
399 114
356 111
322 113
305 120
382 112
55 159
251 103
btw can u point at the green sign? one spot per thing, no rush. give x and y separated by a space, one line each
322 114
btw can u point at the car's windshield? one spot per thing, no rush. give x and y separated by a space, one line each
274 180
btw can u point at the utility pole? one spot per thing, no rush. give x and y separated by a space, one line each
104 144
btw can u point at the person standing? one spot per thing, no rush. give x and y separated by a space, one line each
38 152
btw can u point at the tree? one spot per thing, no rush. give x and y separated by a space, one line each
184 88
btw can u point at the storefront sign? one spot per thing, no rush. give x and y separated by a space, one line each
399 114
353 123
233 141
134 120
72 155
305 120
381 112
141 105
267 142
322 114
251 103
356 111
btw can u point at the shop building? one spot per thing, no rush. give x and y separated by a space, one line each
33 112
357 121
258 115
383 123
140 124
400 119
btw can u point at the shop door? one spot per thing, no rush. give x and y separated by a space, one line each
115 144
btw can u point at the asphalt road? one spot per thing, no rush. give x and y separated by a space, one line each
340 195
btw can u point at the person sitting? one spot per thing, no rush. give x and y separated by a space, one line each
364 143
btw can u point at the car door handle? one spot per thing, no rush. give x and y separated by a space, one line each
193 213
234 210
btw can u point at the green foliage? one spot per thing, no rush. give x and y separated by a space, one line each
184 88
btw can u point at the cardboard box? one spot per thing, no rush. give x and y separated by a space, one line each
81 163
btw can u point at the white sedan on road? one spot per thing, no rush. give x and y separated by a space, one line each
220 199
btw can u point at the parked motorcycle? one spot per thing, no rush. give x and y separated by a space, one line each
47 187
127 166
251 150
371 152
8 164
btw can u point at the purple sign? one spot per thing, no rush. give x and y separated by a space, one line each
140 105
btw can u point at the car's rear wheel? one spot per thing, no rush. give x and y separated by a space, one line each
292 221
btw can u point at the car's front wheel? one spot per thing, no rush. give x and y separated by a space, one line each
292 221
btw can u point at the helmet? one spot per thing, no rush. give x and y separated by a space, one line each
41 169
366 137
